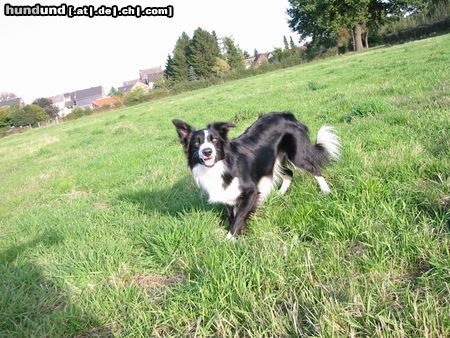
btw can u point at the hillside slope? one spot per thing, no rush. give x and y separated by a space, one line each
104 233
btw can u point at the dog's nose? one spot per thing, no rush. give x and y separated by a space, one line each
207 151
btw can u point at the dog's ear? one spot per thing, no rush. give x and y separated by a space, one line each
184 131
222 128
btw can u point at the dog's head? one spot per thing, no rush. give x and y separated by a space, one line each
206 146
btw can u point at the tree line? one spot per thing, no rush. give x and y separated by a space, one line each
40 110
202 57
334 23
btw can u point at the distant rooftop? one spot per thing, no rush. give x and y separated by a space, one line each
151 74
89 92
10 102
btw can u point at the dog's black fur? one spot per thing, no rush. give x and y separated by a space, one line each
250 157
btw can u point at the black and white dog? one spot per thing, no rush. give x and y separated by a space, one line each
242 172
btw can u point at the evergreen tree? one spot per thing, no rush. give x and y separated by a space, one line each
255 53
203 51
113 91
180 65
233 54
292 44
169 71
192 76
285 42
216 40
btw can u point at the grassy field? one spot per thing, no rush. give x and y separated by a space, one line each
103 231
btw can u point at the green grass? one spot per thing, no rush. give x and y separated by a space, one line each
104 233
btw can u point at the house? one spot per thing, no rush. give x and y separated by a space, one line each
128 86
130 82
84 97
64 102
109 101
150 75
248 62
262 58
69 99
8 103
147 78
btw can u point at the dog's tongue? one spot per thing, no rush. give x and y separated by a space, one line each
209 161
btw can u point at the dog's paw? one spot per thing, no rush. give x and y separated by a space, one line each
230 237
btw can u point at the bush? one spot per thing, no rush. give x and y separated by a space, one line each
221 67
329 52
78 112
313 52
418 32
181 87
136 96
162 83
4 117
31 114
158 93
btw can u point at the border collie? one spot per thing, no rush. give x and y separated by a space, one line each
242 172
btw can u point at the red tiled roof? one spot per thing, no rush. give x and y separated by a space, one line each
107 101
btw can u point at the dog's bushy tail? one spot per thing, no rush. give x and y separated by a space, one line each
328 142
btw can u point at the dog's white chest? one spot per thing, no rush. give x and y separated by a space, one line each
211 181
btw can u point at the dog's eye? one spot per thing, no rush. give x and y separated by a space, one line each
196 144
214 139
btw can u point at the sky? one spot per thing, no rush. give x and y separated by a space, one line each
46 56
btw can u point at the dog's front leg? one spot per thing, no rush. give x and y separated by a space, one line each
247 205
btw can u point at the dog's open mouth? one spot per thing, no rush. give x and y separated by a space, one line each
208 161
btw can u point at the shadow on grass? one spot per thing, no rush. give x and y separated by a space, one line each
33 305
177 200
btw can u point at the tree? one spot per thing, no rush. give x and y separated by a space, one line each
322 20
169 71
277 55
216 40
4 117
285 43
291 43
233 54
179 66
203 51
113 91
255 53
48 106
31 114
246 55
192 76
221 67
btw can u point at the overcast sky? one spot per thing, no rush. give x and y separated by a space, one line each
46 56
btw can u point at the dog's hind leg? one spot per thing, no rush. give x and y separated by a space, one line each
306 156
281 173
315 171
230 213
322 184
286 177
